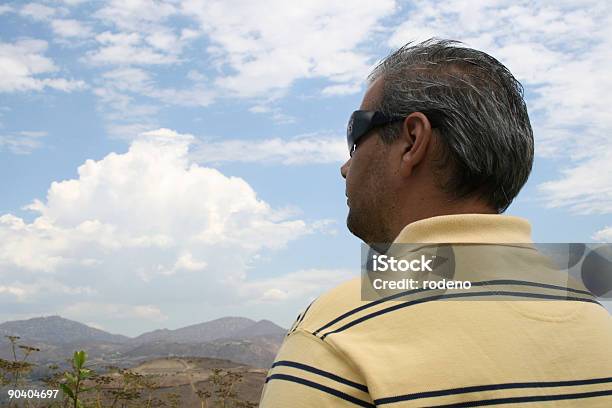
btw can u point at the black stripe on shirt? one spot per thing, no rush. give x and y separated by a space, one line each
414 291
531 398
299 319
320 372
321 387
491 387
451 296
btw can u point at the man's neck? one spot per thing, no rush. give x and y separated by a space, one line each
462 207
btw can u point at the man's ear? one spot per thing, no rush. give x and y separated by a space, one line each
416 136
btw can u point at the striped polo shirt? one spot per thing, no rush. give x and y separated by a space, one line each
422 352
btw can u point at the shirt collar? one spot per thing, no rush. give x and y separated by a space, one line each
467 228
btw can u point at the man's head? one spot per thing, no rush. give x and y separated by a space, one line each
459 140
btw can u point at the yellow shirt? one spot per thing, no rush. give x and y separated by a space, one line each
344 352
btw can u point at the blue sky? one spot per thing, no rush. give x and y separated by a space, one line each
170 162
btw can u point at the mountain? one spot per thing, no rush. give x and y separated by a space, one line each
255 352
223 328
57 330
235 338
261 328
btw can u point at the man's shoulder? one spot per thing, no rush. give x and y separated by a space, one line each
329 306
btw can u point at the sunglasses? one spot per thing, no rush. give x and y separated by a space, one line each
361 122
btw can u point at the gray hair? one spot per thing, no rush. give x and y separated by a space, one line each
477 107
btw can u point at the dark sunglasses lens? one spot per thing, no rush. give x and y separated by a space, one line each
350 136
357 126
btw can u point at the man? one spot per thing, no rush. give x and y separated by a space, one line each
439 148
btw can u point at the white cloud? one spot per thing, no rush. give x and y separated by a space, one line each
603 235
254 52
198 95
342 89
143 36
260 109
37 11
5 9
20 61
128 130
27 291
73 2
188 34
130 98
120 92
23 142
69 28
185 262
301 150
268 51
120 106
135 15
585 188
128 79
85 310
63 84
148 312
149 178
19 293
126 49
163 40
561 53
22 64
95 325
145 223
300 284
273 113
196 76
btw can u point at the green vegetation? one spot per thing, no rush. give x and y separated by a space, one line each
83 387
223 393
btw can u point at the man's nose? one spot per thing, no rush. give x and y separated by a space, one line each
345 167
